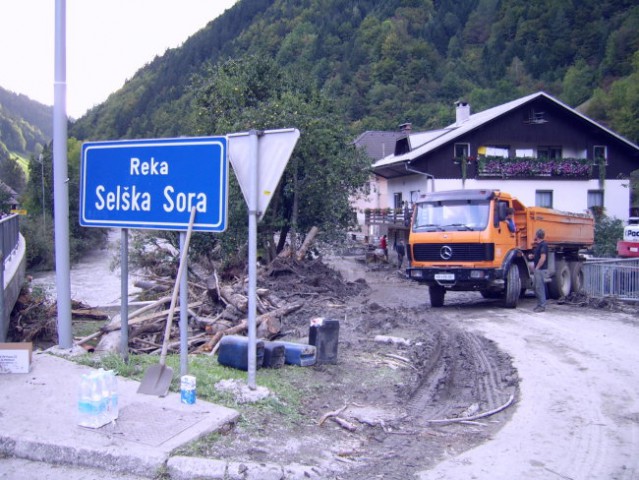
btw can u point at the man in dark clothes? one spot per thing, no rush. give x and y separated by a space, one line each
540 266
401 251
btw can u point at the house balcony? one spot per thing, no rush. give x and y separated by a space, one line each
497 167
386 216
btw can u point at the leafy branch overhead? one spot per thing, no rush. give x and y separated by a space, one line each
325 168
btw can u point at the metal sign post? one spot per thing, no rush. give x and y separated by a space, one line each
252 258
258 159
124 295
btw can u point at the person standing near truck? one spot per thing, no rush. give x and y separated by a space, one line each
384 246
400 248
540 266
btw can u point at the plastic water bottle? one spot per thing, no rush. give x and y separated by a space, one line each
86 410
111 382
98 399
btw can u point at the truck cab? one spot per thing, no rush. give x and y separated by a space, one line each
460 240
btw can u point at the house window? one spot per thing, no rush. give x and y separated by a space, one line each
524 153
549 153
600 152
397 200
462 150
414 196
502 151
595 198
543 198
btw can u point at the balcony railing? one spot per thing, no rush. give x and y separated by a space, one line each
386 216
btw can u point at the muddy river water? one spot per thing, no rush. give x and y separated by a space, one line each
93 281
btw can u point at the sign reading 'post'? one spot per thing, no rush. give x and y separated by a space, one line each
154 184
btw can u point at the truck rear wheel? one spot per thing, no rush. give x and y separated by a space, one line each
436 293
560 283
513 287
576 277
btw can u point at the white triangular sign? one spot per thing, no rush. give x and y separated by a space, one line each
274 151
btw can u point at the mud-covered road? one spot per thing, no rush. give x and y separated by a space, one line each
565 384
577 415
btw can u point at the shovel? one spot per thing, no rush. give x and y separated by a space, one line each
157 379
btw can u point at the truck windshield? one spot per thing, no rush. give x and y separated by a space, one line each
451 215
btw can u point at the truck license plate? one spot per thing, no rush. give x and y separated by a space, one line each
449 277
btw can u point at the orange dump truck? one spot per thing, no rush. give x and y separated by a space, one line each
460 241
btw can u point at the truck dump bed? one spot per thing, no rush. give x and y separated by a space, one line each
562 228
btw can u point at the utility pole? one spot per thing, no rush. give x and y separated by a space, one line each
60 180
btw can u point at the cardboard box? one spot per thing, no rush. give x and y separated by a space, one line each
15 357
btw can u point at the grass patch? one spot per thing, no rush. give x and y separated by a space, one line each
288 385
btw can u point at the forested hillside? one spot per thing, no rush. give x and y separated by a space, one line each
392 61
25 128
24 123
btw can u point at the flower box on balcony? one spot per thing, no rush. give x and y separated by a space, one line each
533 167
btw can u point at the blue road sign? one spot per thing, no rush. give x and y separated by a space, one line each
154 183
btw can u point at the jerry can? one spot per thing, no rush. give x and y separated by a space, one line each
233 352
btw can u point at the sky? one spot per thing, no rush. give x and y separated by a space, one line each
108 41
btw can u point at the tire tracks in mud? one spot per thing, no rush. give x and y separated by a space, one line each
464 376
458 374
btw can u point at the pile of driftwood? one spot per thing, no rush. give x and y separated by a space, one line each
34 318
215 309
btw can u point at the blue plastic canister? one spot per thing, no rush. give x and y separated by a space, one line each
299 354
274 355
233 352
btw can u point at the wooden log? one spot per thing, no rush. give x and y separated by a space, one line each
243 325
89 313
110 341
301 253
237 300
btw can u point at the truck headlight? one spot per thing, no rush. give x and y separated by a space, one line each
417 274
477 274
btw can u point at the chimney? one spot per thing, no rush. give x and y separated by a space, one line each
462 112
406 128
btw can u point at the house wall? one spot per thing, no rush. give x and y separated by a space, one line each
568 195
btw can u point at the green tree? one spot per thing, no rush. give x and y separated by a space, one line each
38 227
608 231
578 83
325 168
12 174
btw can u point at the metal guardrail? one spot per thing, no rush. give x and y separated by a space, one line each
9 234
617 278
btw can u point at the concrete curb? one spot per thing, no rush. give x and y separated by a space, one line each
191 468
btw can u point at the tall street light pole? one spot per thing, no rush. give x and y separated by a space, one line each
60 180
44 211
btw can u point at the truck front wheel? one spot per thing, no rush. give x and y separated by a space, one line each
513 287
436 293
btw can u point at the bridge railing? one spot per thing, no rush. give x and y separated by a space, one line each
617 278
9 234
